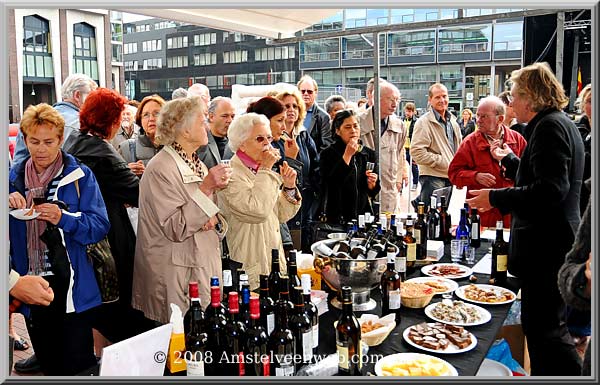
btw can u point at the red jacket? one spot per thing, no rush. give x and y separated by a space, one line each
474 156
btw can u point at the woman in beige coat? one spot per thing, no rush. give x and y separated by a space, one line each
177 238
257 199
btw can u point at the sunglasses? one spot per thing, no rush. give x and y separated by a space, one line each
310 92
261 138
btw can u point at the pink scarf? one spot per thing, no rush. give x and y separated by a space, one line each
36 248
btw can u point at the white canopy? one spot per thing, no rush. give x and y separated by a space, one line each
270 23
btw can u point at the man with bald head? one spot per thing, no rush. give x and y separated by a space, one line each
473 165
199 89
392 171
220 115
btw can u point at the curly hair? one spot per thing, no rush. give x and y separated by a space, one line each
537 83
241 128
333 99
268 106
100 112
301 106
37 115
175 115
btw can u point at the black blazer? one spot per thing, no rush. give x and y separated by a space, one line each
320 128
544 202
346 185
209 154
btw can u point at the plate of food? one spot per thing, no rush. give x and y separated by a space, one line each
446 270
25 214
437 337
457 313
438 284
485 294
413 364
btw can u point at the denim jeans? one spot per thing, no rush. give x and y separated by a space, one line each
415 168
428 185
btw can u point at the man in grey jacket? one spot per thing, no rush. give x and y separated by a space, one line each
220 115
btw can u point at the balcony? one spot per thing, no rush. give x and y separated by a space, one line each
412 55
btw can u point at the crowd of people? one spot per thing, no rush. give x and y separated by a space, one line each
174 185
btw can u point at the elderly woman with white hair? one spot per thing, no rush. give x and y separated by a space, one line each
257 199
179 228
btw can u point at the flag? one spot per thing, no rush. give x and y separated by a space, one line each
579 83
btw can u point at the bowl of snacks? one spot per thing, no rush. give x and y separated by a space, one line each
374 330
415 295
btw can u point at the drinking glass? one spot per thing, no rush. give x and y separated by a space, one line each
38 194
370 166
469 255
456 250
226 162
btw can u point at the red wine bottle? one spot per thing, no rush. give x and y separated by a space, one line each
348 338
301 328
275 276
194 303
215 323
311 310
195 338
235 334
282 343
267 306
390 287
256 351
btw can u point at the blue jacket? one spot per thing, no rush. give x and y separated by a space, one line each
85 222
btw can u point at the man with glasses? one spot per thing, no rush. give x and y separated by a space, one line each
391 145
75 89
316 121
473 165
220 115
435 141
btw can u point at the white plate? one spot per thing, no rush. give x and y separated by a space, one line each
491 368
427 270
404 357
20 214
485 315
450 284
451 349
460 293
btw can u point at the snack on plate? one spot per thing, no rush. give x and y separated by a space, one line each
369 326
457 312
415 290
439 336
447 271
421 366
489 295
437 286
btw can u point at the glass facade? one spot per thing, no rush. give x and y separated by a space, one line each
508 36
37 49
465 39
320 50
411 43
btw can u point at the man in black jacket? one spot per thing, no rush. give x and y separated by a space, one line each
317 120
544 204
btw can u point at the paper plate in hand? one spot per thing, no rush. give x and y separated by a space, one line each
22 214
457 313
485 294
413 364
446 270
452 341
437 284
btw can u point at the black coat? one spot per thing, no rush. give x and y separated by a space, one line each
320 128
586 135
545 199
345 186
467 129
119 186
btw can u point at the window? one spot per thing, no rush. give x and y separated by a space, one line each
142 28
129 48
37 52
239 56
465 39
411 43
116 31
320 50
177 42
177 61
131 65
151 64
164 24
117 52
205 59
85 58
508 36
151 45
232 37
205 39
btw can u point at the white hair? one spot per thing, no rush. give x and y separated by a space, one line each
77 82
241 128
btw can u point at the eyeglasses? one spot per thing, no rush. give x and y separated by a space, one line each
485 116
310 92
294 106
262 138
147 115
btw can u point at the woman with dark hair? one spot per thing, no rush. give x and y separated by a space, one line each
347 183
100 119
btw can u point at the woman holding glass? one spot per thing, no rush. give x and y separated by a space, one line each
62 331
349 186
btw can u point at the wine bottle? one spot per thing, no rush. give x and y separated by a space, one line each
362 230
215 323
311 310
467 208
420 232
475 229
411 246
235 334
402 250
267 306
195 338
227 287
462 231
348 338
284 294
275 276
433 220
499 256
282 343
445 222
301 328
256 351
245 306
194 302
292 270
390 287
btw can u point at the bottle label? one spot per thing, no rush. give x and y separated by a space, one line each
342 352
315 336
195 367
307 346
475 231
437 231
411 251
394 302
401 265
270 323
391 258
417 235
285 371
227 280
502 262
371 254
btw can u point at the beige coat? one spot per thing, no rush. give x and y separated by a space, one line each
254 206
391 156
171 248
429 146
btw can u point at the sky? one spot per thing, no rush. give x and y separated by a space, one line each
131 17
